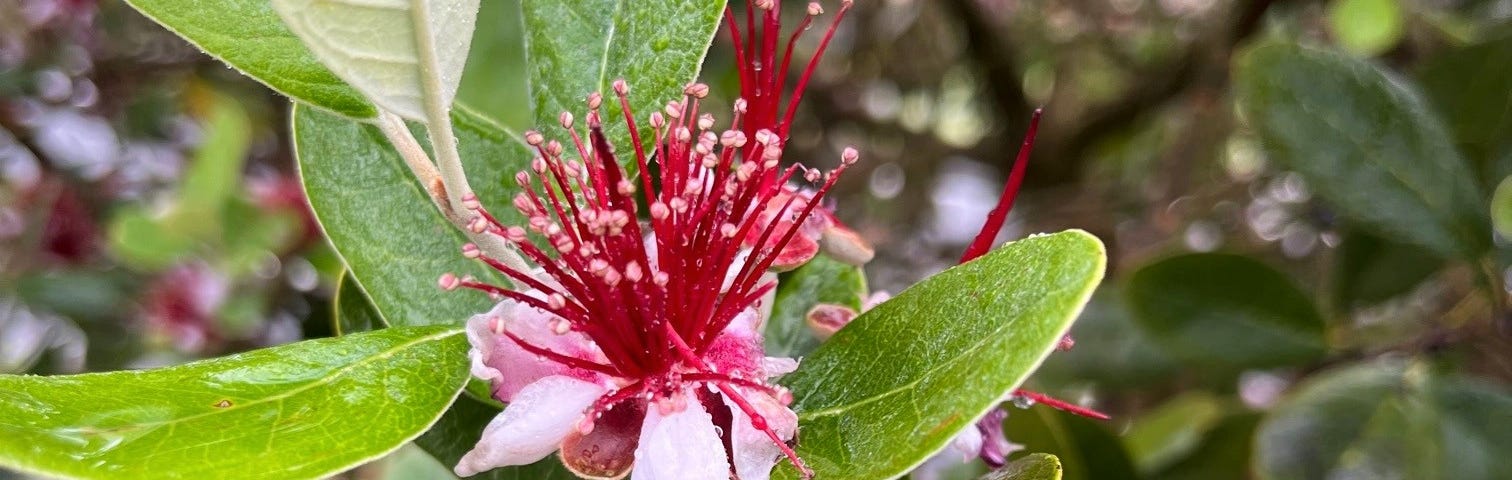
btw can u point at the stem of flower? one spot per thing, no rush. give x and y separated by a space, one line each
435 185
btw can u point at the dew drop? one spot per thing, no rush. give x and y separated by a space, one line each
1021 401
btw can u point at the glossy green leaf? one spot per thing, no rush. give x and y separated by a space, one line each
304 410
1387 420
403 54
1086 448
1501 208
1369 269
459 430
1034 466
1366 27
1369 143
1225 312
577 48
1160 436
895 385
249 36
394 242
352 311
1471 87
822 280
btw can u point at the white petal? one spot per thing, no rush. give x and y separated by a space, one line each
754 452
968 443
680 446
778 366
531 427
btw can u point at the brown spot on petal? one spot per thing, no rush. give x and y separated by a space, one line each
826 319
608 451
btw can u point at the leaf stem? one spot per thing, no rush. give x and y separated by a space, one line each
435 184
453 186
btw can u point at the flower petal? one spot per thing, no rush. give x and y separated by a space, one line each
501 361
608 451
738 348
680 446
532 426
753 450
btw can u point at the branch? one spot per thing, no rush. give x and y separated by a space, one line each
997 60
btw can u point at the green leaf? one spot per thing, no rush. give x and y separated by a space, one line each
1501 208
576 48
1224 452
195 218
1035 466
821 280
1086 449
394 242
1368 144
1471 87
459 430
1387 420
1369 269
1111 351
407 463
1225 312
1165 434
403 54
895 385
352 311
304 410
1366 27
143 242
494 81
249 37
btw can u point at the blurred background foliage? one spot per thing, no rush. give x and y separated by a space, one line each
1306 204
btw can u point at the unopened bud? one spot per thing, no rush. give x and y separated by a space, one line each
826 319
448 281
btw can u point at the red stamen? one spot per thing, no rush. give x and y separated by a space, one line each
999 214
1061 405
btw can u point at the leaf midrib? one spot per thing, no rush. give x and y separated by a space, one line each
996 334
318 382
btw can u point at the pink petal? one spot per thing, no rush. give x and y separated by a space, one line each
778 366
532 426
738 348
680 446
967 443
753 450
509 367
